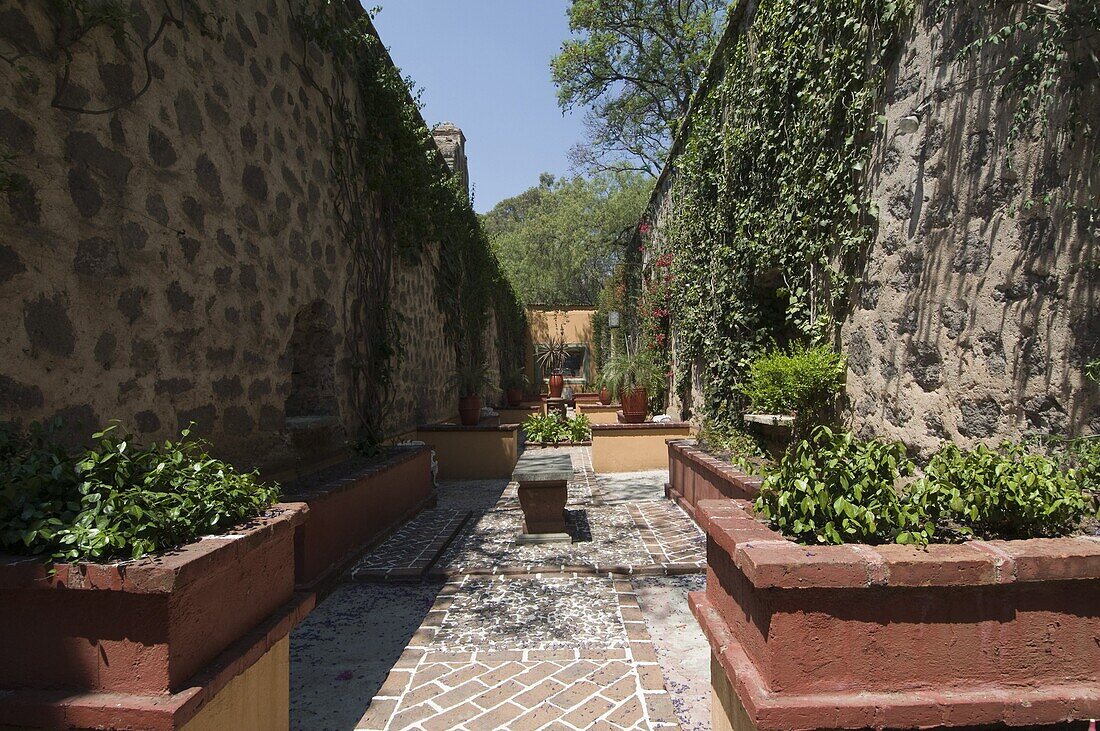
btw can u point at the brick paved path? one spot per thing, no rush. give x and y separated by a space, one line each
518 637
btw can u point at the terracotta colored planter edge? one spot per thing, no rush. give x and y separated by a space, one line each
162 573
459 427
352 481
645 426
154 712
771 561
860 709
717 469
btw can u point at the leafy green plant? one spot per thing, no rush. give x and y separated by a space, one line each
734 444
833 488
628 369
1092 370
803 381
1009 492
579 428
116 500
551 355
471 378
551 428
515 378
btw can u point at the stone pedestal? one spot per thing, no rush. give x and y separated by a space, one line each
543 491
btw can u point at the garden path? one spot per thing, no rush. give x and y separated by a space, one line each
449 625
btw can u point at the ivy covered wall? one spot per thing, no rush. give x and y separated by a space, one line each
229 213
913 183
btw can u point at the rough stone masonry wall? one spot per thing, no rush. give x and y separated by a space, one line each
155 263
976 317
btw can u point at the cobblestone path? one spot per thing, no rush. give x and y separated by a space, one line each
449 625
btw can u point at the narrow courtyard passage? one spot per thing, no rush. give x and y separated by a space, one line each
450 625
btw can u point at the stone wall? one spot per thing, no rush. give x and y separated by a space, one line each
975 314
173 254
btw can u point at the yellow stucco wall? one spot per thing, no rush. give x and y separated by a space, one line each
544 323
482 454
600 414
256 700
633 450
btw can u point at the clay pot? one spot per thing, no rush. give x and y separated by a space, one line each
635 405
514 396
605 397
469 410
557 383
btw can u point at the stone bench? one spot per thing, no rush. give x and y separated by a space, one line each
543 479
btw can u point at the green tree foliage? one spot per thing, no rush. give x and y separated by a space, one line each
560 240
634 65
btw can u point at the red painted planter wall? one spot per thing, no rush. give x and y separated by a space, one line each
346 514
694 475
847 636
145 626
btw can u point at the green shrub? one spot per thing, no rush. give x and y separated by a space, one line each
834 488
551 428
736 445
580 428
116 500
802 380
1008 492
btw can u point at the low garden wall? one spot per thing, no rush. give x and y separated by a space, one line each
598 413
148 643
473 452
634 447
851 637
351 506
695 475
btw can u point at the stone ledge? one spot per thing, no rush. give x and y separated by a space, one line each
769 560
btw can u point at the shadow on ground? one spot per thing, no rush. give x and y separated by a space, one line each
341 653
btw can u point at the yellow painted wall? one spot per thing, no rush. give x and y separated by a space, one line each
256 700
487 454
544 323
633 450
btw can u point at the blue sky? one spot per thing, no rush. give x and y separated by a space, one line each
485 65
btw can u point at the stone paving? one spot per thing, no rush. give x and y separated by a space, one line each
590 635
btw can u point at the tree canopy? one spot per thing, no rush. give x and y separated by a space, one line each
559 240
634 65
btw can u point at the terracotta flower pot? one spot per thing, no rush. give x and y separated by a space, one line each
469 410
605 397
514 396
635 405
557 383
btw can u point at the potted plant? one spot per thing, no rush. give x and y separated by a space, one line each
515 383
470 380
550 356
607 390
634 375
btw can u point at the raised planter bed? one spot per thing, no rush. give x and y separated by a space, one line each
776 431
473 452
851 637
634 447
695 475
355 503
598 413
555 445
124 643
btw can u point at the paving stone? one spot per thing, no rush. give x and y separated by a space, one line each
413 547
526 637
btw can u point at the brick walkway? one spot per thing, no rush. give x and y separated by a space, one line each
518 637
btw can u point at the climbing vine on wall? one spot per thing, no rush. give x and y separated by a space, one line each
395 198
768 208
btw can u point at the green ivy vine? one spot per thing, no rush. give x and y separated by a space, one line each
395 197
767 210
